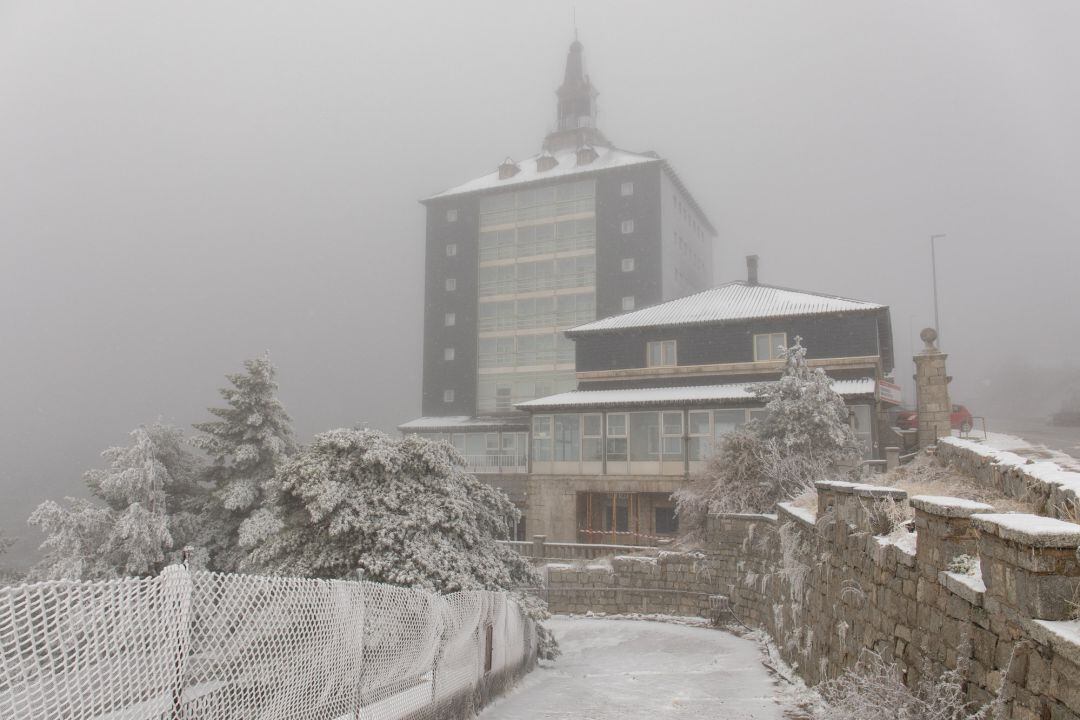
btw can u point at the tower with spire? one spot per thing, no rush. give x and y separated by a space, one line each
576 109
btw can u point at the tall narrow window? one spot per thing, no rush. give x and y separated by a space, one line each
672 430
627 189
448 353
541 438
448 396
591 448
616 437
451 284
450 319
661 354
628 264
768 346
700 432
627 227
451 215
451 250
628 302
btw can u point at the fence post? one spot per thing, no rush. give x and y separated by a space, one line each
892 458
538 546
176 588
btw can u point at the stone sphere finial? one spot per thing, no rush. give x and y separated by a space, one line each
928 336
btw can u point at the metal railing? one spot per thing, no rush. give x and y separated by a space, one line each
539 548
516 463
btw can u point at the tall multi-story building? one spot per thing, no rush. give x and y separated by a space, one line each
582 230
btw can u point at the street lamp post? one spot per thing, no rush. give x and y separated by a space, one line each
933 265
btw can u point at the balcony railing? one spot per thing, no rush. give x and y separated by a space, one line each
497 463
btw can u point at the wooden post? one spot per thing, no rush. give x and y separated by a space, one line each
892 458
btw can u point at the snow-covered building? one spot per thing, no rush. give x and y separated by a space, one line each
579 231
657 387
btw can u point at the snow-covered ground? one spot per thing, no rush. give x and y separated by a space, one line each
627 669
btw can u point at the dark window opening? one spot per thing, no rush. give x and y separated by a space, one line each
666 520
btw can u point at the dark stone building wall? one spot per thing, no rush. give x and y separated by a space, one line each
458 374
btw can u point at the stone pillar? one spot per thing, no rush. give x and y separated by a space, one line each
932 391
1030 563
944 531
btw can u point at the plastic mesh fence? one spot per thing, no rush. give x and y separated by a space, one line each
193 645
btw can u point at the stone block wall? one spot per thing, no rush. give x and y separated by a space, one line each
1050 489
666 584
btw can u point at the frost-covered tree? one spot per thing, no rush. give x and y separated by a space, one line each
804 437
250 439
358 503
140 518
804 415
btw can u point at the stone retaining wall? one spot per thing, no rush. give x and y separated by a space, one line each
1051 490
666 584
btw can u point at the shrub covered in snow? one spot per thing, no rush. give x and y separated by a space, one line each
402 511
250 439
804 437
873 690
142 512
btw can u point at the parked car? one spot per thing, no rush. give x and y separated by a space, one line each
960 418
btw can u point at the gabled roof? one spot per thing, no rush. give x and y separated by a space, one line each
673 396
608 158
730 302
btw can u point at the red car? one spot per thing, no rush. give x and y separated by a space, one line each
961 419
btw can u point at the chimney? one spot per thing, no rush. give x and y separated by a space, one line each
751 269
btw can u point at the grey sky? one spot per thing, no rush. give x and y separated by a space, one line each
184 185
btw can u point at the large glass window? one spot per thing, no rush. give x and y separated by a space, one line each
728 421
567 438
541 438
616 437
699 428
644 436
673 435
538 242
591 441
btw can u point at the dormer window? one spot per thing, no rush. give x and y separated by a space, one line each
508 169
586 155
545 162
661 354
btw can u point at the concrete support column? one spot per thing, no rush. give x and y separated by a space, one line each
932 391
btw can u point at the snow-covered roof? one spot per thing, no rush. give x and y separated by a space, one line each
462 422
693 395
732 301
608 158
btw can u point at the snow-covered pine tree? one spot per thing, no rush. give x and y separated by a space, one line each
804 437
147 491
358 503
250 439
804 415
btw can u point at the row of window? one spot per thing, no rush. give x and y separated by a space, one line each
525 350
500 392
510 446
560 273
651 436
531 240
549 311
538 203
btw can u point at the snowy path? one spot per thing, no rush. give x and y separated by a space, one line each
623 669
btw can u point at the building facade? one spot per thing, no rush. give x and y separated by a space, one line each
581 230
659 387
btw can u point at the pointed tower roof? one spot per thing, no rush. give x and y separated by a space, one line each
576 112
